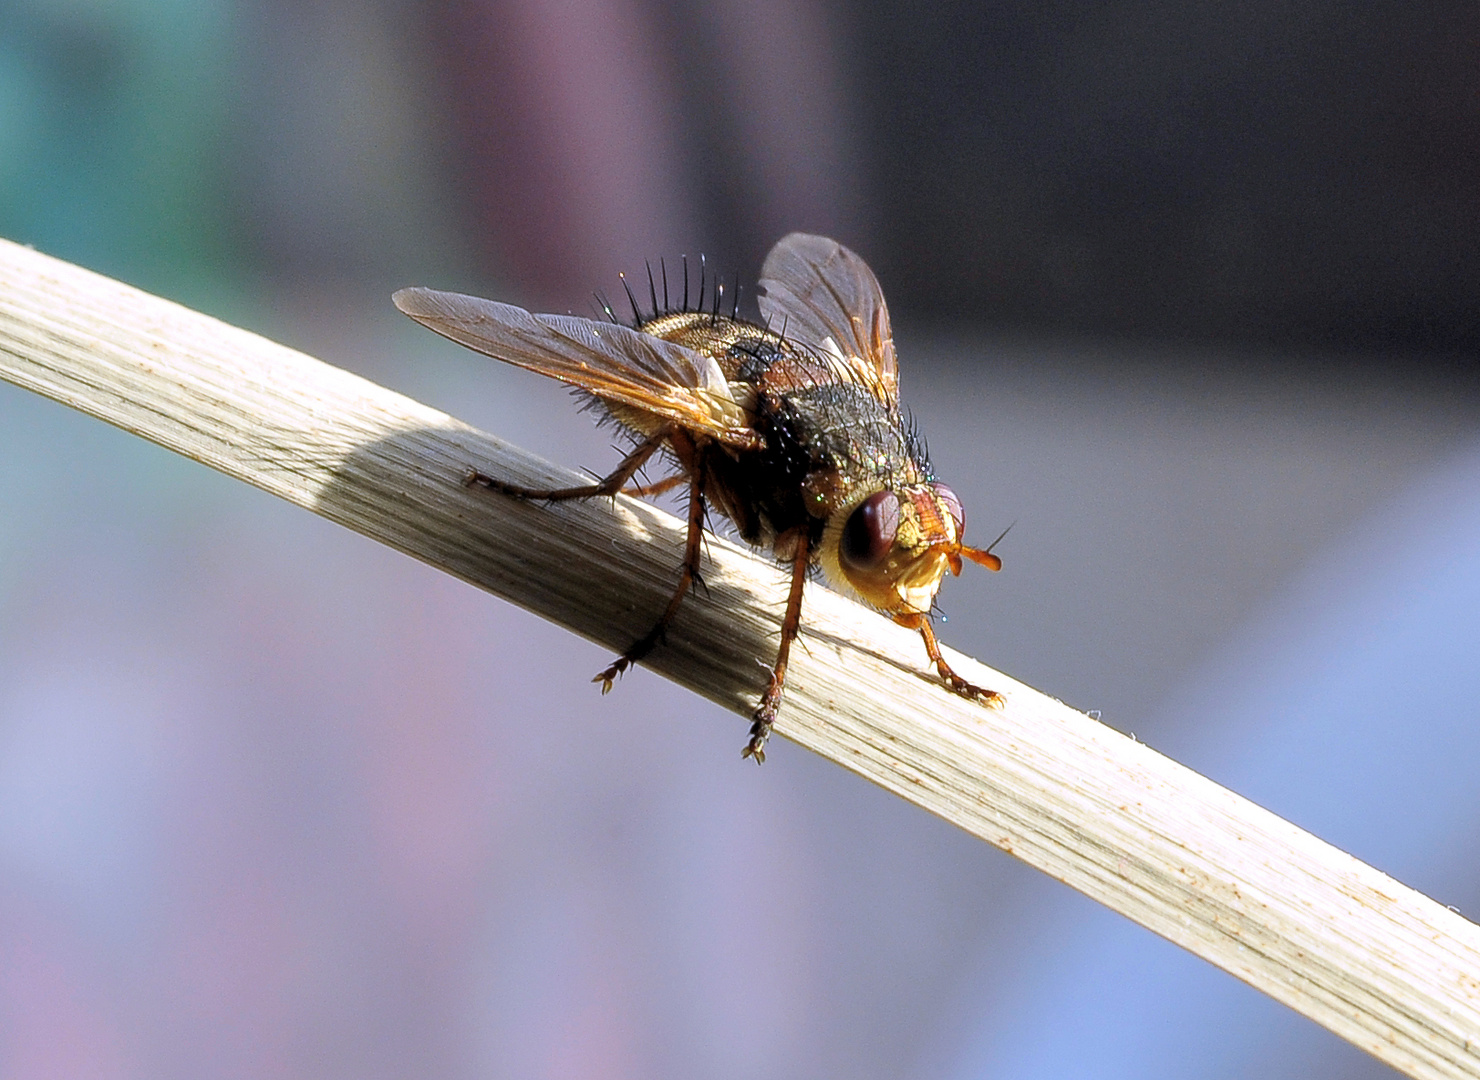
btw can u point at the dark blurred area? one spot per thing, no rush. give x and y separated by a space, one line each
1252 174
1188 292
1256 173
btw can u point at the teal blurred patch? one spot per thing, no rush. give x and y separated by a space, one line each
113 120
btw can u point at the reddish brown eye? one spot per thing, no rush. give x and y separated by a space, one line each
953 504
869 534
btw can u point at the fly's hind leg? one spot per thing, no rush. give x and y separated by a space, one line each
764 717
955 682
609 485
686 577
645 490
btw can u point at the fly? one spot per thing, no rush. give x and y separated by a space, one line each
790 428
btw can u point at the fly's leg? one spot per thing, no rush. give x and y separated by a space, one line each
955 682
686 576
645 490
610 485
764 717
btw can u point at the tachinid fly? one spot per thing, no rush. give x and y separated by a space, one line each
792 429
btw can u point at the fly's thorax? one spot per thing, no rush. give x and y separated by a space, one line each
892 546
841 428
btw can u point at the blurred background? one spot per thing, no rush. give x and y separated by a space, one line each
1190 293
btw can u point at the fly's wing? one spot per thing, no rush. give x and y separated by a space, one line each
613 362
817 292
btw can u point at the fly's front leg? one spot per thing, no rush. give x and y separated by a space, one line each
954 681
764 717
607 486
686 576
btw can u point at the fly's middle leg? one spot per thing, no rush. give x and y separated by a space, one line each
687 574
764 717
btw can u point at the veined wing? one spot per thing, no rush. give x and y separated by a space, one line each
824 296
613 362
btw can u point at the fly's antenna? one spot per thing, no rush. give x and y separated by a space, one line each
700 305
997 541
636 315
685 259
606 308
652 289
735 304
663 269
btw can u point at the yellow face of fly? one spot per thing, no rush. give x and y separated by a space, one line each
892 548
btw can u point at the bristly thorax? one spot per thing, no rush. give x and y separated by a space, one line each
825 437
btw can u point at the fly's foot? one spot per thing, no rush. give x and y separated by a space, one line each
761 722
958 685
474 478
760 731
608 677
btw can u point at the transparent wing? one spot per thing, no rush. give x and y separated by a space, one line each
613 362
821 294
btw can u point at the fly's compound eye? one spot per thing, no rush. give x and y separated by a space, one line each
869 533
953 505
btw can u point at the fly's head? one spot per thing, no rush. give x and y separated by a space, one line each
894 546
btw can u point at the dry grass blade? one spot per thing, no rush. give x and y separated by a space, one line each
1367 957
